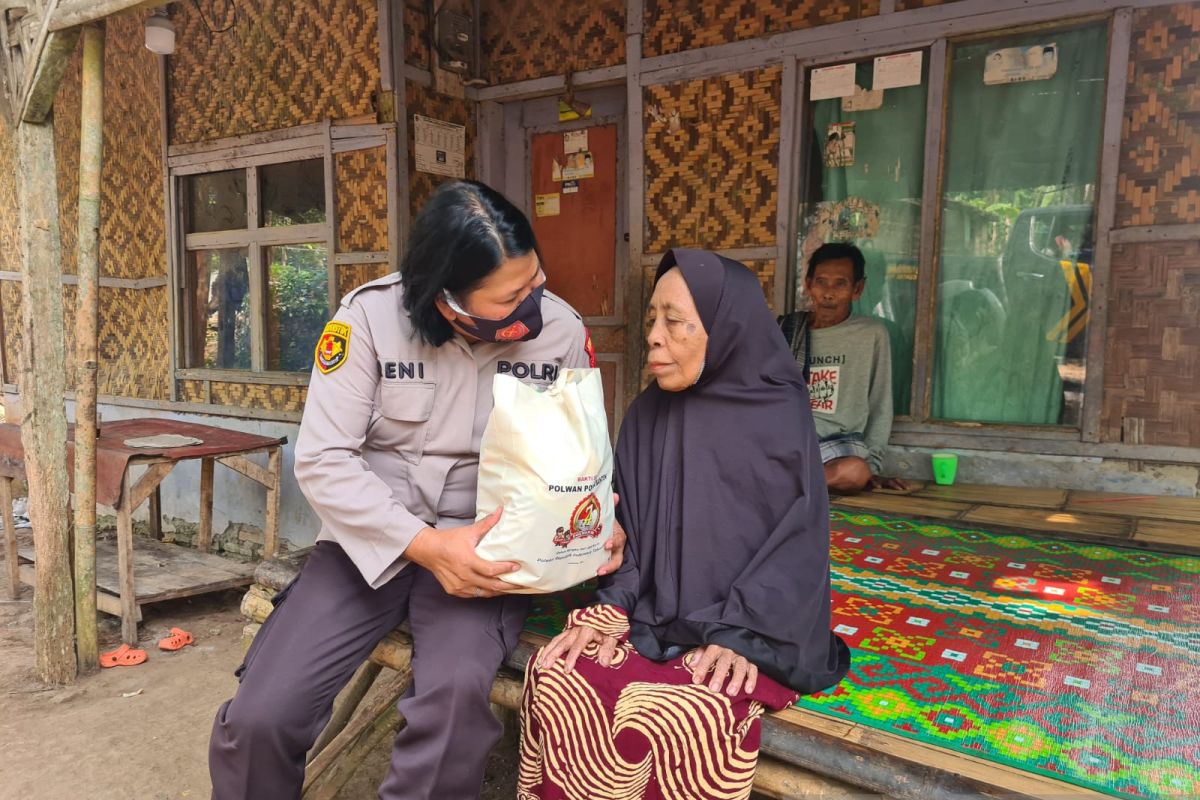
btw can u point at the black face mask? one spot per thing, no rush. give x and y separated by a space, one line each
524 323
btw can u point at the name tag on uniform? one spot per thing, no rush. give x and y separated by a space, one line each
529 370
401 370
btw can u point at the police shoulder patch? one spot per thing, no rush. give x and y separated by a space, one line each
589 348
333 347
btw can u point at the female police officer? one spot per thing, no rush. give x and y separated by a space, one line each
387 456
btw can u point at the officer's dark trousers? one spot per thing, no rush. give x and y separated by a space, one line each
323 627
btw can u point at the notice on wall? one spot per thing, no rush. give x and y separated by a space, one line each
827 83
898 70
1018 64
575 141
862 100
439 146
547 205
839 145
570 187
579 165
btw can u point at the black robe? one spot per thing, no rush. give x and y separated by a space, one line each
722 495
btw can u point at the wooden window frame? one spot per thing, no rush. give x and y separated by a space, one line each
251 152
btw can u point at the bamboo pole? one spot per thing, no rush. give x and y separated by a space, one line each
91 146
42 380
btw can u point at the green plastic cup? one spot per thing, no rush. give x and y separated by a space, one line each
945 466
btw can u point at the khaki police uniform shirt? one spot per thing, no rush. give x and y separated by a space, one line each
389 440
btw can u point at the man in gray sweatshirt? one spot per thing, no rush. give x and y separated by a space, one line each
847 360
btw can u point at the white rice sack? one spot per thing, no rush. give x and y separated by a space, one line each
546 459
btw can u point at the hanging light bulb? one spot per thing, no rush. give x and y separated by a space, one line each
160 33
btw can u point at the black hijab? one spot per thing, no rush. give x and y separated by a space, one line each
723 498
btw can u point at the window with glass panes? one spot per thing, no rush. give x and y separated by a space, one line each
256 266
1015 153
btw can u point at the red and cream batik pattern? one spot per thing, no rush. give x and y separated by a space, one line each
638 728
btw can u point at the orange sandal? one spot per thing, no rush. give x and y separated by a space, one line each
123 656
178 640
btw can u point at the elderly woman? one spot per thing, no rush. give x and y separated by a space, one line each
721 608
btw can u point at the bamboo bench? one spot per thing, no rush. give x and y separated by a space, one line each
803 754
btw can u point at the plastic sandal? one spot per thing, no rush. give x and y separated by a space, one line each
178 640
123 656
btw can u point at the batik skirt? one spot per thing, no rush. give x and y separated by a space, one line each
637 728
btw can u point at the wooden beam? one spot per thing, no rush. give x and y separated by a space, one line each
1121 33
105 602
557 84
87 344
10 539
1185 232
51 66
274 495
42 377
249 469
901 29
104 282
385 698
635 208
204 528
80 12
923 344
791 134
125 581
934 437
148 482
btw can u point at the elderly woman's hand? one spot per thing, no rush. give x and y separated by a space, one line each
572 642
722 663
614 545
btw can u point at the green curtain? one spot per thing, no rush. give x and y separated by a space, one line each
1017 240
887 175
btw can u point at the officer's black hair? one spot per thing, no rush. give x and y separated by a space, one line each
462 235
835 251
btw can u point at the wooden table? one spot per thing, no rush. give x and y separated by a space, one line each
166 571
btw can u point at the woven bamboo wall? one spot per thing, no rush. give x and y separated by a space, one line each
1160 156
360 182
416 34
1152 364
672 26
259 395
191 391
133 236
448 109
133 341
714 183
245 395
284 63
525 39
10 303
351 276
10 247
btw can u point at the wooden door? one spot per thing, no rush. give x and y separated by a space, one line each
575 185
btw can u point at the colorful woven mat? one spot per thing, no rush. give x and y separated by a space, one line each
1077 661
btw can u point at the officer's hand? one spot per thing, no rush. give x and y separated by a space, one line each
450 555
614 545
572 642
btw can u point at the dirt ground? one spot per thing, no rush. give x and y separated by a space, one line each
90 740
